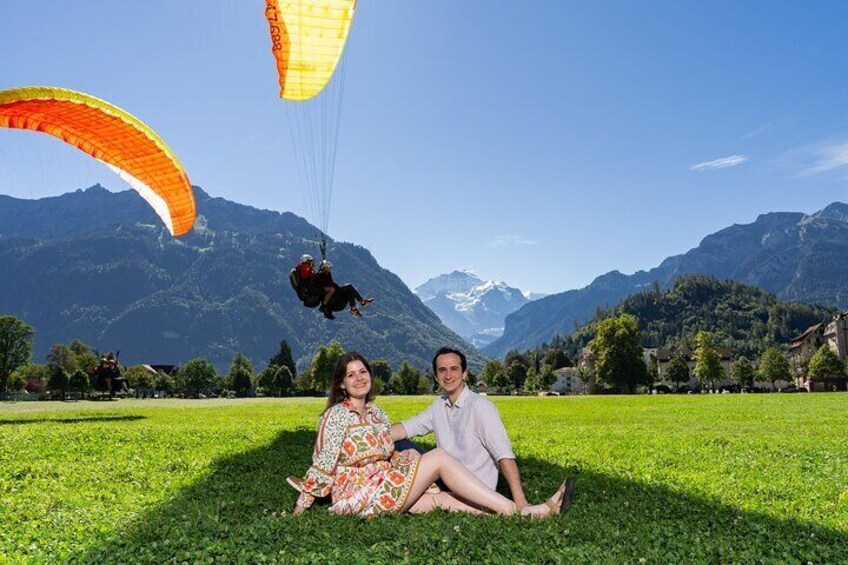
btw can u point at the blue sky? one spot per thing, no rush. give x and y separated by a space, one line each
542 143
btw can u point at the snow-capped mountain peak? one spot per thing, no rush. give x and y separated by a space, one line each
473 308
457 281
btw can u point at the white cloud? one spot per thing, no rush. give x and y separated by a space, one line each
824 158
504 240
759 131
723 163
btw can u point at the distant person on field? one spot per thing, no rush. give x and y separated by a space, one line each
466 425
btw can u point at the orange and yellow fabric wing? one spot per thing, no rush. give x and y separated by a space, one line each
307 40
111 135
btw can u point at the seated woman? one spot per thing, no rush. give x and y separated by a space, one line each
337 297
354 461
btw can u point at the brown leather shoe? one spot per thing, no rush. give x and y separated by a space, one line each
565 496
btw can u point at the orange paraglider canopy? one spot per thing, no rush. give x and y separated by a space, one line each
111 135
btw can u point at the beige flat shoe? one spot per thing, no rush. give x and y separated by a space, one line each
294 482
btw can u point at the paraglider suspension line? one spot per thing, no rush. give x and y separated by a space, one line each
322 245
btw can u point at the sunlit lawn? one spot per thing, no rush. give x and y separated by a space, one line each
660 479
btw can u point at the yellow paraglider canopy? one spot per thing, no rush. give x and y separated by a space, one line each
115 137
307 40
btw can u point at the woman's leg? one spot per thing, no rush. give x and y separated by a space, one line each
441 501
438 464
349 294
355 293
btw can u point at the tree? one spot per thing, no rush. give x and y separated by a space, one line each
240 376
267 381
60 354
166 383
493 374
16 382
58 380
547 377
743 372
276 381
15 347
516 374
409 379
585 374
425 385
824 364
396 384
678 370
79 347
708 367
79 382
83 355
653 368
617 351
285 381
35 377
799 366
198 376
381 371
377 387
557 359
303 383
500 382
532 383
283 358
320 373
774 367
140 378
514 356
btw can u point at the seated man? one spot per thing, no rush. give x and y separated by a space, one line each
337 297
466 425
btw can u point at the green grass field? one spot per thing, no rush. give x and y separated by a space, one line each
660 479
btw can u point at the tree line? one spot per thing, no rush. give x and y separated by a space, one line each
529 372
70 367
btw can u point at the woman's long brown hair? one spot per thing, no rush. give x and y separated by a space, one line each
338 395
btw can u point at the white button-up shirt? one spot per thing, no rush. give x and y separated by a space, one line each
469 430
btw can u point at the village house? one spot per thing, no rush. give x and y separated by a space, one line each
569 381
834 334
805 345
664 356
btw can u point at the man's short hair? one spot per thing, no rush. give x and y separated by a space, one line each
446 350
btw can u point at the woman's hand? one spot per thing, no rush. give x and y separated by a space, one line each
298 509
410 454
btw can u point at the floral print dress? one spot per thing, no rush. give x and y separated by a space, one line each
354 460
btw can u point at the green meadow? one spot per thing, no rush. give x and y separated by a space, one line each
660 479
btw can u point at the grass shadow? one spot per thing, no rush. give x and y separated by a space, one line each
75 420
237 513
